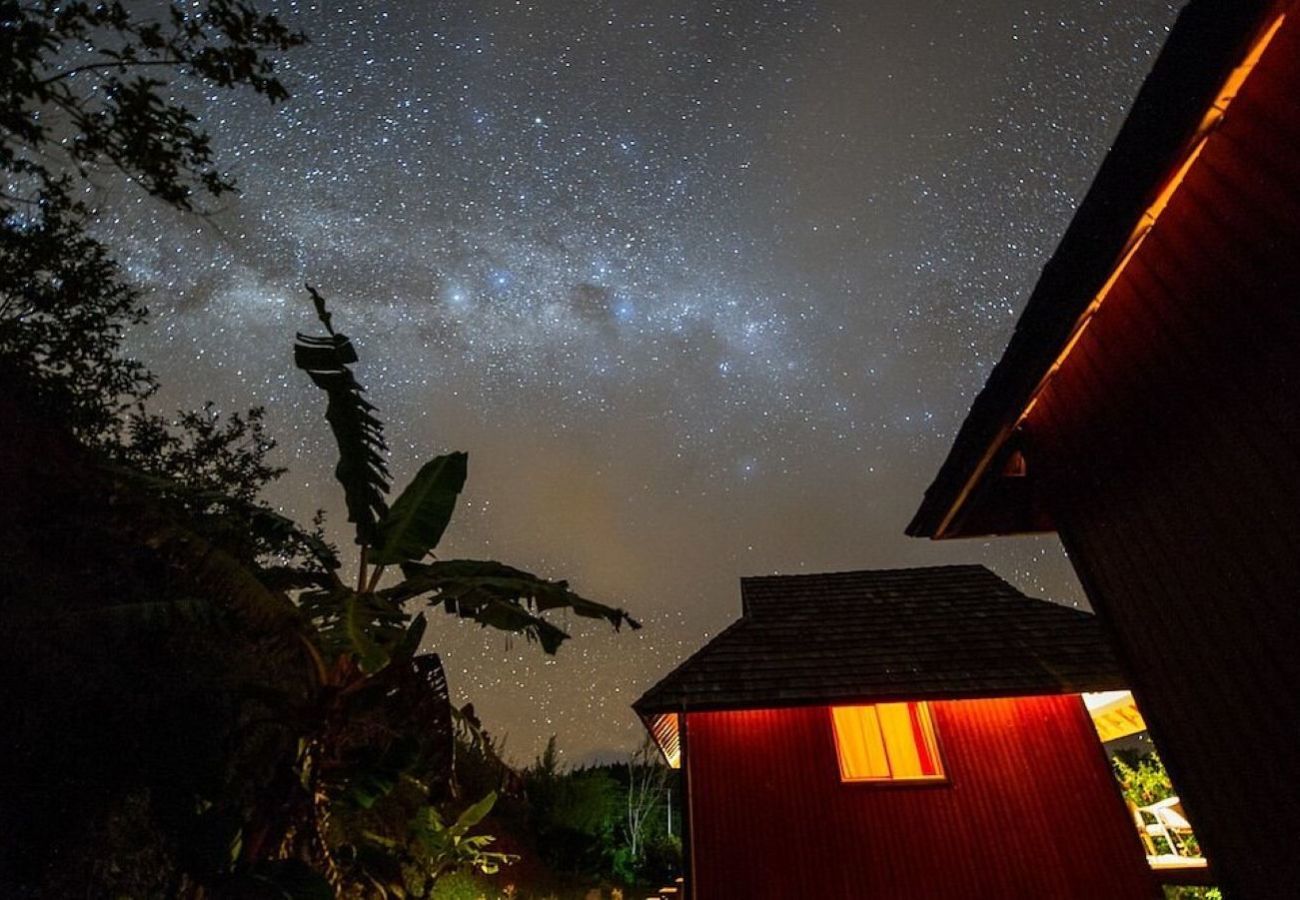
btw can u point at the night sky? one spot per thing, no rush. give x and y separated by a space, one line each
705 290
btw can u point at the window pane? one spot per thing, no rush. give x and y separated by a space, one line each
887 741
861 746
930 761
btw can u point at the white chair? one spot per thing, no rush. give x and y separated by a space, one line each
1164 819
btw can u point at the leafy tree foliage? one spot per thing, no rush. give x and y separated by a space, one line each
601 822
327 736
64 308
153 664
1142 777
143 639
647 780
364 645
83 89
1143 780
85 93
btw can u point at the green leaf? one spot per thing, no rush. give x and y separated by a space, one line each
504 615
416 521
410 643
472 816
357 621
371 775
357 432
367 626
500 596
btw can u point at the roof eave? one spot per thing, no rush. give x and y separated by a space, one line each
1206 42
1108 682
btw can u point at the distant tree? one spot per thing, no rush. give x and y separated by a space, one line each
586 819
647 781
574 814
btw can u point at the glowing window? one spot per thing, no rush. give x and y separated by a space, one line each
886 742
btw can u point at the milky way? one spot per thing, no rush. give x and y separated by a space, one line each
704 289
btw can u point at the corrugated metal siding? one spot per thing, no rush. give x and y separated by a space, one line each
1169 445
1030 810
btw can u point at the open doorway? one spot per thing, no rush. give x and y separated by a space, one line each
1171 845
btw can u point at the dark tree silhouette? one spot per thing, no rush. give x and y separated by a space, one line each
85 97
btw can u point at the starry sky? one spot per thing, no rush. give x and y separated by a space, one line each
704 289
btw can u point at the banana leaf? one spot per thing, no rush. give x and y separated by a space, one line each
361 469
366 626
499 596
414 524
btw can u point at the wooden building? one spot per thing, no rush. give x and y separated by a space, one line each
914 733
1147 409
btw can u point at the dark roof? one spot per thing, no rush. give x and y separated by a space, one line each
892 634
1207 41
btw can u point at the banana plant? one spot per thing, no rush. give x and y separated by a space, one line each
376 689
365 622
428 847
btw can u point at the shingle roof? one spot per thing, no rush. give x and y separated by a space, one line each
948 631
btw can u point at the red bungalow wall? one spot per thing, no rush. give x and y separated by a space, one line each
1167 447
1030 810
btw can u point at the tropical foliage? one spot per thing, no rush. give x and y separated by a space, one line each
380 716
1144 781
1142 777
142 639
601 822
344 725
208 707
369 619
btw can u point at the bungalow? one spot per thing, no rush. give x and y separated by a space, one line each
1147 409
901 733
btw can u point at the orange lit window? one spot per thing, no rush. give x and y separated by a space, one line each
886 742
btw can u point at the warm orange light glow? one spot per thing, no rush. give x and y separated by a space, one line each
886 742
1213 116
666 731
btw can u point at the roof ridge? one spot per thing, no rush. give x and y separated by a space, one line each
948 567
